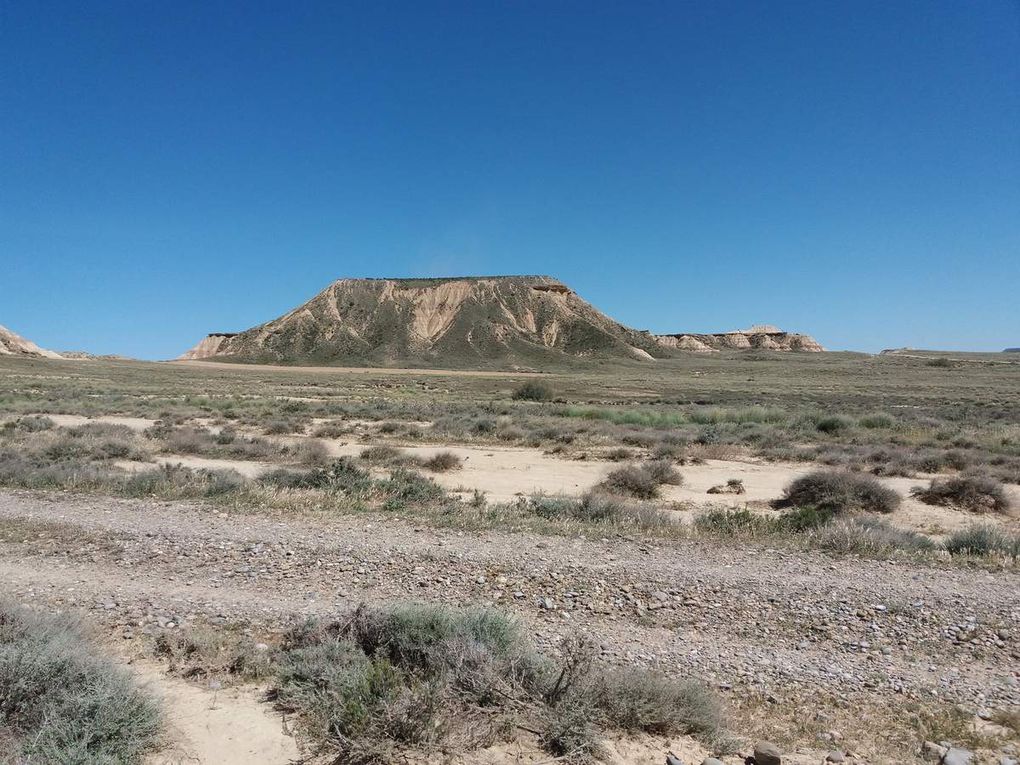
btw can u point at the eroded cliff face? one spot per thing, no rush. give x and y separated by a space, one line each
458 322
12 344
767 338
206 348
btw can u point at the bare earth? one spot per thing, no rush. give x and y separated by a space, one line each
795 626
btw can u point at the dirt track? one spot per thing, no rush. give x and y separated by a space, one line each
778 622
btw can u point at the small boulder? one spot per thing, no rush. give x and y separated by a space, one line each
766 753
835 756
711 761
672 759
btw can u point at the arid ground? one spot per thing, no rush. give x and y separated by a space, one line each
194 515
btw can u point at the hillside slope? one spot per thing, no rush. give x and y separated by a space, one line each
12 344
508 321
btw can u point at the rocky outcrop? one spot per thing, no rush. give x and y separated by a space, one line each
207 347
761 337
12 344
504 321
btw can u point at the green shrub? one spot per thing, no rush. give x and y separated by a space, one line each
834 425
840 492
406 487
63 702
876 421
742 522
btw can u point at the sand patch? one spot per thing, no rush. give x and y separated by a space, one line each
226 727
137 424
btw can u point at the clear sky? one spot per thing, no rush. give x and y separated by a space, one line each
847 169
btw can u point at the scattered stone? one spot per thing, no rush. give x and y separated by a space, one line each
932 752
835 756
711 761
957 757
672 759
766 753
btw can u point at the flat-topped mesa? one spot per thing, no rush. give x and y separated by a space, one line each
760 336
501 321
12 344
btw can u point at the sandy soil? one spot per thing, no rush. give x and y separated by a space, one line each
506 472
74 420
216 727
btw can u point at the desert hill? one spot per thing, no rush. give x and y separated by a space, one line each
762 337
12 344
522 321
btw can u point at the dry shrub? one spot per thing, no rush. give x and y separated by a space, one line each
977 493
840 492
631 480
663 472
533 390
441 462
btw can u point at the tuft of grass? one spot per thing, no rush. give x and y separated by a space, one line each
840 492
406 487
869 537
736 523
977 493
215 654
983 540
179 482
382 454
62 702
619 454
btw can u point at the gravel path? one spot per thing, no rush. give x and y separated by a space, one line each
780 622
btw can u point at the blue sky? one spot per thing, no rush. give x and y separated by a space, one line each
848 169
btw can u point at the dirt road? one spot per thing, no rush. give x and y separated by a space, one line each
778 621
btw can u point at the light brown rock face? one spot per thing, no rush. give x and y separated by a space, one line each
12 344
207 347
761 337
516 321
